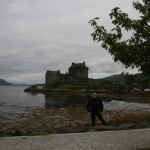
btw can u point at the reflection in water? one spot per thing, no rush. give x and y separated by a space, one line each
65 100
110 103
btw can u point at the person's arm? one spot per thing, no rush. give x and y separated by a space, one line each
101 106
88 106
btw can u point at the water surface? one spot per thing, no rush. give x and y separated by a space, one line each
14 101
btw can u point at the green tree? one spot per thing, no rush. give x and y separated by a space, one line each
129 78
106 82
56 85
135 51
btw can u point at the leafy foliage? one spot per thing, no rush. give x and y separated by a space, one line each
106 82
135 51
129 78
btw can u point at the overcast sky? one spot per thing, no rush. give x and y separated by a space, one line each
40 35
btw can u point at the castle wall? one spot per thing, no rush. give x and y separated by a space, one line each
92 82
78 74
52 77
66 78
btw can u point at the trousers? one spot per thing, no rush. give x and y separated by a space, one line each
99 116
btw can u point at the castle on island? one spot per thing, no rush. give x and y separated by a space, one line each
77 74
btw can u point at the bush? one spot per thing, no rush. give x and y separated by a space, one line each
56 85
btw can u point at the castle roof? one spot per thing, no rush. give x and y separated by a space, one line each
78 64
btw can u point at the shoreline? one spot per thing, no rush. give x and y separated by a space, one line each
60 120
83 92
45 120
138 96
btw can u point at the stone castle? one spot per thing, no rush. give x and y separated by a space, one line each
77 74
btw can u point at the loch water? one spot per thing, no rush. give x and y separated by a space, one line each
14 101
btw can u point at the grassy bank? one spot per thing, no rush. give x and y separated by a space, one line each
59 88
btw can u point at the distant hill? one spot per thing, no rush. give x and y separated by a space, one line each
114 79
119 78
3 82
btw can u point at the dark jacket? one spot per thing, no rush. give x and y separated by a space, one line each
94 106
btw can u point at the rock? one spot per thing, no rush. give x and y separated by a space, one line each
103 128
51 130
126 126
77 129
79 123
63 110
57 117
17 133
92 130
144 124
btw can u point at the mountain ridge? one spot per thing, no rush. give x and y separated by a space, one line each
3 82
118 78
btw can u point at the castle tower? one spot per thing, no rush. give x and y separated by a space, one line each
79 70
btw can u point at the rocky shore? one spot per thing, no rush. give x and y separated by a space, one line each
38 121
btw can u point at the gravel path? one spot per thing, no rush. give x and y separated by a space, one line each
110 140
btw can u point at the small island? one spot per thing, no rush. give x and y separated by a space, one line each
76 81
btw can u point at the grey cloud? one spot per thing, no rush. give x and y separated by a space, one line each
37 35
